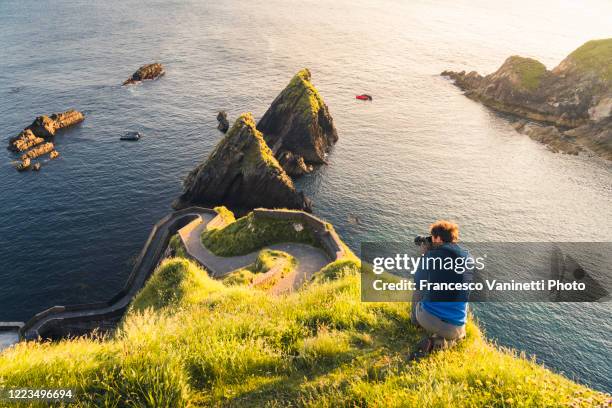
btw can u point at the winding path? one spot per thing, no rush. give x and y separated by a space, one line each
71 320
309 259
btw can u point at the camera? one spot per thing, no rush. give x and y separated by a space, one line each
419 240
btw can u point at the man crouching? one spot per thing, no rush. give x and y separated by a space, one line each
441 313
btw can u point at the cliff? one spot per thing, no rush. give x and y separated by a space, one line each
242 174
577 93
298 126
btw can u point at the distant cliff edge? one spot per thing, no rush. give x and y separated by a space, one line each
575 95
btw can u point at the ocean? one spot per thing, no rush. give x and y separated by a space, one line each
419 152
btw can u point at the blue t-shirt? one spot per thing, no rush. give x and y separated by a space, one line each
449 306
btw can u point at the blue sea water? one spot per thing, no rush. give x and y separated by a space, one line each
421 151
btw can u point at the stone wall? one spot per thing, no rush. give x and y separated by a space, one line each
323 231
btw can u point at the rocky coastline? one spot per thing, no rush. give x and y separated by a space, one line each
575 98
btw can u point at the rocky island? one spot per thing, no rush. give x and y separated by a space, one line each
34 139
149 71
575 98
242 174
298 126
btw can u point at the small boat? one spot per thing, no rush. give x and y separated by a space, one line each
364 97
131 136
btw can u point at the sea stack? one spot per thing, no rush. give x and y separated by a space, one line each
241 173
149 71
575 94
298 126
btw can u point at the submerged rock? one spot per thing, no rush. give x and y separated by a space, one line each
223 125
577 93
241 173
149 71
298 122
36 167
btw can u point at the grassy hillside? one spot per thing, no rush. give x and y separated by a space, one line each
189 340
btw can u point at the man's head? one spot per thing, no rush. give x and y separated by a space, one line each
443 232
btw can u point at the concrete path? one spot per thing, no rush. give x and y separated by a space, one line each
309 258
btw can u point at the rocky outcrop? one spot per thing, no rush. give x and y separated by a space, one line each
298 127
23 164
149 71
241 173
38 151
575 94
24 141
46 126
32 139
223 125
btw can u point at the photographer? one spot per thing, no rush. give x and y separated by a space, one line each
441 313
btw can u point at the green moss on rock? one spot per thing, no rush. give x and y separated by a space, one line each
594 56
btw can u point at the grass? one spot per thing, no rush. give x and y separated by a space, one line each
249 233
178 249
210 344
594 56
226 215
309 101
529 71
265 261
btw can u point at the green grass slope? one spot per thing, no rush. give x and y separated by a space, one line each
190 341
249 233
593 56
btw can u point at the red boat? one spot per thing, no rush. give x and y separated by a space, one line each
364 97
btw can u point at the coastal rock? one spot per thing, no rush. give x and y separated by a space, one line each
46 126
294 166
555 140
24 141
241 173
24 164
38 151
54 154
149 71
36 167
299 122
576 93
595 136
223 125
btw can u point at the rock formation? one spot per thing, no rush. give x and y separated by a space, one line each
31 139
298 127
149 71
241 173
38 151
54 154
46 126
575 94
223 125
24 141
24 164
36 167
